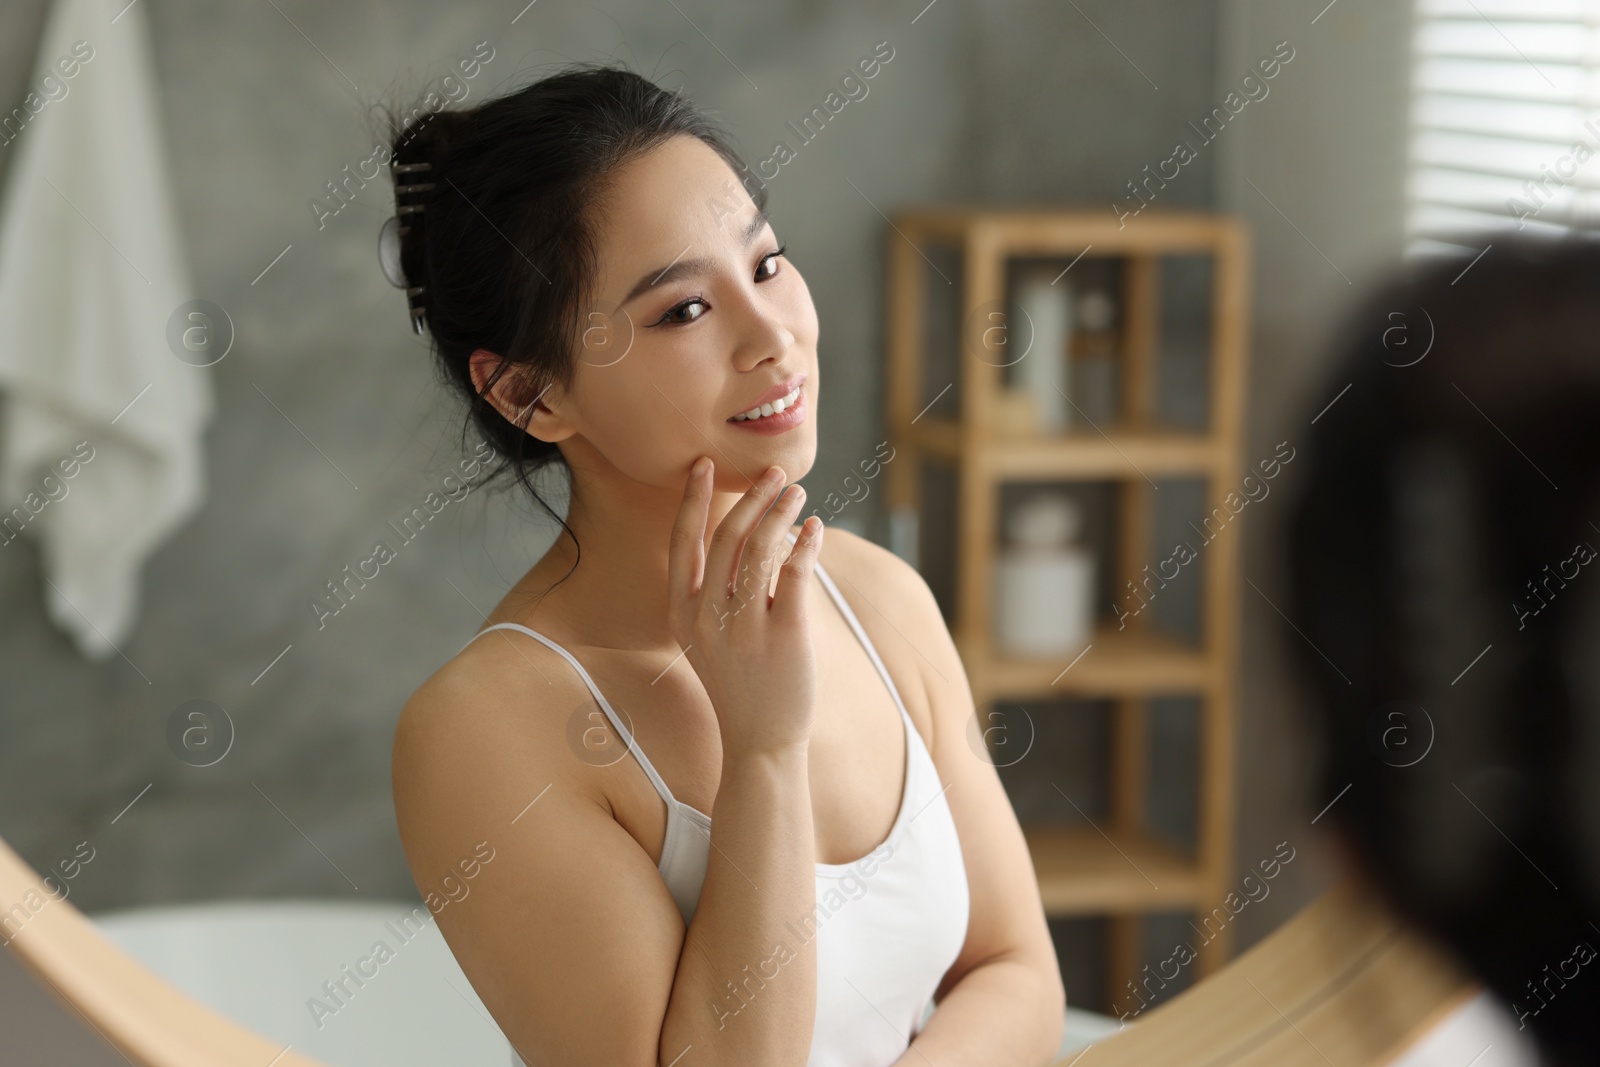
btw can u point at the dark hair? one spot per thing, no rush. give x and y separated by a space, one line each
505 244
1449 492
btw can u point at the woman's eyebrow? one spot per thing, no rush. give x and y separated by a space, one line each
683 268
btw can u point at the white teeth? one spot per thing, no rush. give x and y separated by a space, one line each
779 405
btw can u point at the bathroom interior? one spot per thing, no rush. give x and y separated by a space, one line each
199 701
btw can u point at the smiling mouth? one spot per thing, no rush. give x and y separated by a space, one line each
777 407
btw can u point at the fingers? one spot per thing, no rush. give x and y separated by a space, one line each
789 603
761 551
686 550
727 543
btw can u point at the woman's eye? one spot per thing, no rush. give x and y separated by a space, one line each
669 316
772 258
673 315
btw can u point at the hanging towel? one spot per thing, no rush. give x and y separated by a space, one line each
91 270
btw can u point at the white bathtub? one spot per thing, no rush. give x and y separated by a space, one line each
261 962
265 964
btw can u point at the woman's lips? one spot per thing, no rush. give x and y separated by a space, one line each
781 422
782 389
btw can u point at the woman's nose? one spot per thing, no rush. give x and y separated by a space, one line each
763 336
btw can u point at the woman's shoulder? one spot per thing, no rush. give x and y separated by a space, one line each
485 769
494 706
495 666
877 574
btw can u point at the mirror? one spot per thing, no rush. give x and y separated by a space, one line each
248 515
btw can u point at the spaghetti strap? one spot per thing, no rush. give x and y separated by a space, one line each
861 635
673 804
616 720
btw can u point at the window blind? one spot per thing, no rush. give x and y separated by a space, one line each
1505 119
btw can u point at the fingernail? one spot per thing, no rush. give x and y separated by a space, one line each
774 476
700 466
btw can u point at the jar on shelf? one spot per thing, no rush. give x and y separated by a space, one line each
1044 581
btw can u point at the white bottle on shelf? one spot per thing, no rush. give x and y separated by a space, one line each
1044 583
1042 322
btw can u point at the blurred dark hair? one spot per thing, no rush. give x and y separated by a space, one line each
506 243
1437 557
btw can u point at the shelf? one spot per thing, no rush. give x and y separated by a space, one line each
1084 872
1117 453
1135 661
1044 229
990 441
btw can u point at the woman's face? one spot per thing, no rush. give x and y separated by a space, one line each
695 320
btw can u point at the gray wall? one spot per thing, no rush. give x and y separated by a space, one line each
997 102
1327 148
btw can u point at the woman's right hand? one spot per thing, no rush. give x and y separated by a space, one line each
751 651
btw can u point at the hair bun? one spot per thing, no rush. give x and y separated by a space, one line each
427 137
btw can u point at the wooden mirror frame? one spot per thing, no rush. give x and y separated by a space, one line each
1342 979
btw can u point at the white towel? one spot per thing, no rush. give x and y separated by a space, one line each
91 269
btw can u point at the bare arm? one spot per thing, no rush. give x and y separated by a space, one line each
746 989
745 992
1004 1012
567 933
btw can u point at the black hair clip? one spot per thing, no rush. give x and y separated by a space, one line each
393 230
404 188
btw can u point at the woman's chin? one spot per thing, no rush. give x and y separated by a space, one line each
737 467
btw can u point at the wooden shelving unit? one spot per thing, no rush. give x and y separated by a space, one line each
1115 867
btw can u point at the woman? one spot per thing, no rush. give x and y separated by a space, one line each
1440 559
718 762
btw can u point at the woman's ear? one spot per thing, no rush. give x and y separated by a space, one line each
517 404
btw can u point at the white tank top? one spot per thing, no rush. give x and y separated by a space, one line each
887 926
